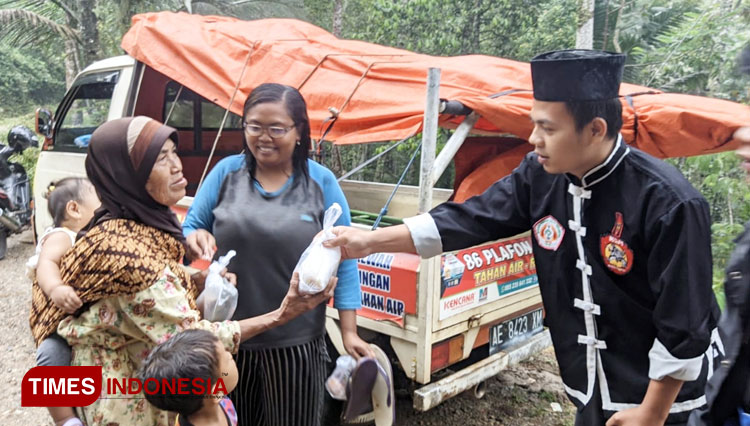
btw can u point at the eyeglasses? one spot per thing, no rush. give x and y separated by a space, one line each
274 132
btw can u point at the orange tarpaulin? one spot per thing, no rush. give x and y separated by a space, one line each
380 91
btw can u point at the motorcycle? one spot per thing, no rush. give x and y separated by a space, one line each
15 186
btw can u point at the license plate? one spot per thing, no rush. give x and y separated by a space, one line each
514 331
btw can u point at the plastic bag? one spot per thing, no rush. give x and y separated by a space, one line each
336 382
318 264
219 298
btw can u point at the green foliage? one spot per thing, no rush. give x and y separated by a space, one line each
722 244
513 29
321 12
254 9
493 27
30 22
722 182
27 81
28 160
389 167
697 55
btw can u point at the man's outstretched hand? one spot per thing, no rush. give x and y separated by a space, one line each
354 243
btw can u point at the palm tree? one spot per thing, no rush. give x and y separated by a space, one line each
249 9
51 23
74 25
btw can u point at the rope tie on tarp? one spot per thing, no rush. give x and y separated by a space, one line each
629 100
336 112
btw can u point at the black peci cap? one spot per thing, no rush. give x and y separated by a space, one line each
577 75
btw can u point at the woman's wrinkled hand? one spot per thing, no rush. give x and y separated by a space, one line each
296 304
201 245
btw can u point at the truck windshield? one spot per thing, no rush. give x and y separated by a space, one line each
85 109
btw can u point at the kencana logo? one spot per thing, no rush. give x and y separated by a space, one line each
81 386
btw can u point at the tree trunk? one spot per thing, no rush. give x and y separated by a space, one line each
124 18
72 58
363 156
585 33
729 206
71 62
380 168
616 34
336 164
606 25
477 24
338 17
89 32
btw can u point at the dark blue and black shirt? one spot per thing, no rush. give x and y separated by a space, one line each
269 231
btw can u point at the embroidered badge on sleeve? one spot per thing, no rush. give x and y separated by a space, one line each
615 252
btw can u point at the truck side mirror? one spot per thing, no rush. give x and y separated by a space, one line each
44 122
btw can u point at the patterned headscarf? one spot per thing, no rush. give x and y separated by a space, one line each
120 158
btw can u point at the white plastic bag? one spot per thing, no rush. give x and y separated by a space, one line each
219 297
337 381
318 264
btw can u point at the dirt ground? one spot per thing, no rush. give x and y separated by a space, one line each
523 395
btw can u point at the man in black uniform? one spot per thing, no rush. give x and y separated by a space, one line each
622 248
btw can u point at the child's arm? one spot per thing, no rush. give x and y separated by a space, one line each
353 344
48 273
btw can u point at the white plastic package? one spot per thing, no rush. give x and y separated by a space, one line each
336 382
318 264
219 297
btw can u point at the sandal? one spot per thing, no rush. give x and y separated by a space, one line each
380 407
359 389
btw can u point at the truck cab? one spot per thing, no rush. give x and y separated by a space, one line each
122 87
101 92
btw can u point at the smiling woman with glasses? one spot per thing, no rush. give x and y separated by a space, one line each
255 130
268 204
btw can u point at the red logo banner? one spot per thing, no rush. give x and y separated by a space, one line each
62 386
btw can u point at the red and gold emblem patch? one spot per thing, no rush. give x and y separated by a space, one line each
615 252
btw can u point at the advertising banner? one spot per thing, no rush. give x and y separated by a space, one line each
483 274
389 286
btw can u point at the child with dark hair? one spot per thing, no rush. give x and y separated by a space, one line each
198 357
71 203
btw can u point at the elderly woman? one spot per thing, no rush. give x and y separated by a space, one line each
268 204
126 268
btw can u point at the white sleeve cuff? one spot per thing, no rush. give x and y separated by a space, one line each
663 364
425 235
